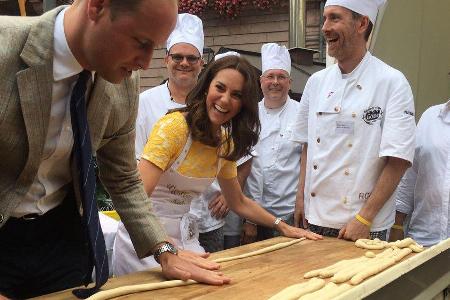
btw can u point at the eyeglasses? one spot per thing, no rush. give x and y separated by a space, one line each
178 58
272 77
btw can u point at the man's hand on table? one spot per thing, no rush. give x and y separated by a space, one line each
189 265
354 230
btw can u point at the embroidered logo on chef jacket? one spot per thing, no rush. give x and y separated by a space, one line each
372 114
407 112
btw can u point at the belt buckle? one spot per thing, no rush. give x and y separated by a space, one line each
30 217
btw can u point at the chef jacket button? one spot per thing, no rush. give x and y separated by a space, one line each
1 218
350 145
337 109
318 140
347 172
281 134
344 200
315 167
313 194
320 113
273 148
359 87
353 114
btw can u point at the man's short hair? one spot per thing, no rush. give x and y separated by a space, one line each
126 6
121 6
357 16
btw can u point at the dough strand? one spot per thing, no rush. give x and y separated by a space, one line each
260 251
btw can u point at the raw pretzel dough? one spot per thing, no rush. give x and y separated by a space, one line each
125 290
295 291
130 289
260 251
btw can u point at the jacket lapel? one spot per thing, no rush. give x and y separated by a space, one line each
98 110
35 82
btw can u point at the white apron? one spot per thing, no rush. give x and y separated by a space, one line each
171 201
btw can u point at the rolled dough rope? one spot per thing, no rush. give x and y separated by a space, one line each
330 286
369 254
369 244
330 272
315 273
260 251
416 248
295 291
350 271
130 289
332 294
329 269
402 243
373 269
401 254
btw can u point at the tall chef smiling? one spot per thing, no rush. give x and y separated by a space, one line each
356 124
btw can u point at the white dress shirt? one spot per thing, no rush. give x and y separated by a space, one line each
424 191
54 170
351 124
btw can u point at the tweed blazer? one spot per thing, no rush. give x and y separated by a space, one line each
26 78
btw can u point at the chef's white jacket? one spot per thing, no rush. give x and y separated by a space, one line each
273 179
153 104
424 191
351 123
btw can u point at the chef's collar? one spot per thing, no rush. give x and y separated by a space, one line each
444 113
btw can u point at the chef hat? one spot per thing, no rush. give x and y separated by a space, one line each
363 7
189 29
222 55
276 57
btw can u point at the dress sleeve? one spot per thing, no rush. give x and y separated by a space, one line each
166 140
228 169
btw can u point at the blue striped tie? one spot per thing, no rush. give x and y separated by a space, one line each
83 155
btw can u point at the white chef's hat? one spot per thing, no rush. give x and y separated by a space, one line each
275 57
363 7
189 29
222 55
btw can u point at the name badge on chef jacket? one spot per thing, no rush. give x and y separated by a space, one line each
345 127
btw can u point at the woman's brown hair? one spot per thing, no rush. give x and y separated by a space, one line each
243 129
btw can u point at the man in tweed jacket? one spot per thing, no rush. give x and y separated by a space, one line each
114 38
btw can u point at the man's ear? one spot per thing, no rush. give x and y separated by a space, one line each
96 8
166 58
363 24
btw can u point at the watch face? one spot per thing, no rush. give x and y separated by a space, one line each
166 247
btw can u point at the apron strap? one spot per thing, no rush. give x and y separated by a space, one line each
183 154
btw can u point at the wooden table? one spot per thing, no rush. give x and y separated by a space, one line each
257 277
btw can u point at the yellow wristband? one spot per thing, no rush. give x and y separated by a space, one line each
363 221
399 227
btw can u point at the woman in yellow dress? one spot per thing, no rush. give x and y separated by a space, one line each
190 147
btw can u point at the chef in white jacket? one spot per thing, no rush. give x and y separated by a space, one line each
274 184
423 195
357 125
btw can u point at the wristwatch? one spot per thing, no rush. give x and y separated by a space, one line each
166 247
